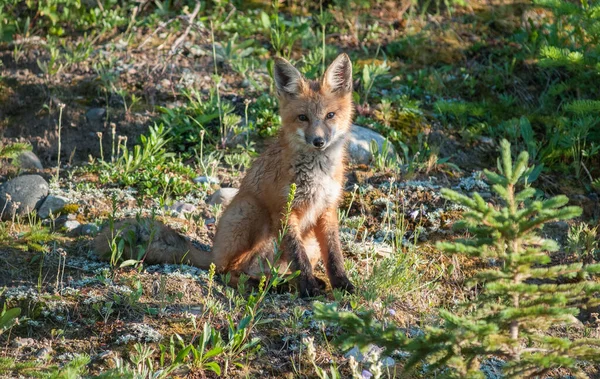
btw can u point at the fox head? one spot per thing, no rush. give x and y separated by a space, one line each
315 114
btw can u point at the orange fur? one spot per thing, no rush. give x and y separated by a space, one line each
310 152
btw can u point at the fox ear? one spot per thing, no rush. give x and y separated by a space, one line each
338 76
288 80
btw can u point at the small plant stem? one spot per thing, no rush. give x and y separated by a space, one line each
101 150
113 131
60 111
323 38
218 83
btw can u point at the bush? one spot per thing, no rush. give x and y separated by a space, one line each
520 298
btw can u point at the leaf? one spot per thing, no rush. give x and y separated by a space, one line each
214 367
9 317
244 322
264 18
213 352
129 262
182 354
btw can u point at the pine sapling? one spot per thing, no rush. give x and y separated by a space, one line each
522 296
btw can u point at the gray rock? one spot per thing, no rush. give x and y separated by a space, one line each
43 354
27 160
206 179
359 144
89 230
233 139
95 114
52 204
26 193
22 342
223 196
71 226
181 208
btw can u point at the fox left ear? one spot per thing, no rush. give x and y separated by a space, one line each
338 76
288 80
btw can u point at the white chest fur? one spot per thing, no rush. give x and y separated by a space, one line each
317 189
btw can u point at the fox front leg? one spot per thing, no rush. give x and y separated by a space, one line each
327 232
295 252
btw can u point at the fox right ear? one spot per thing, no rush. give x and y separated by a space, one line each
338 76
288 80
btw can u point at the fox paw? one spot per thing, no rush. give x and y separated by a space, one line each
309 287
343 283
321 283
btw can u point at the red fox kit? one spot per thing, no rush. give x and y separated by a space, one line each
310 152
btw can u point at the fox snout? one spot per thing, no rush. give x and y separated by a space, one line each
318 137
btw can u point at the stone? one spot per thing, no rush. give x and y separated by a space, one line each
181 208
71 226
234 139
206 179
223 196
27 160
95 114
21 195
89 230
43 354
359 144
52 204
22 342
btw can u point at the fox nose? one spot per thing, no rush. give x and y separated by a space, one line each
319 142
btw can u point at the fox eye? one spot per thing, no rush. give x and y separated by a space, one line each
302 117
330 115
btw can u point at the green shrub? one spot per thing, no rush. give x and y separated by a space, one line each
521 297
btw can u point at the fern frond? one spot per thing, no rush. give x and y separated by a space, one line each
559 7
583 107
12 150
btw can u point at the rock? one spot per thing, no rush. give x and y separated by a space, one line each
206 179
234 139
22 342
359 144
89 230
29 161
71 225
223 196
26 193
44 353
355 353
95 114
181 208
52 204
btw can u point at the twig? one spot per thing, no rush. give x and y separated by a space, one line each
587 171
161 26
182 38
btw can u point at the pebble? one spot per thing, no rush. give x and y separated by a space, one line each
206 179
359 144
71 225
26 193
181 208
27 160
22 342
44 353
95 114
223 196
52 205
89 230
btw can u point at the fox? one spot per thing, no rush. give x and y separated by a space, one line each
309 151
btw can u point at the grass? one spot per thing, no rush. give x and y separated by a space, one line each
187 96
